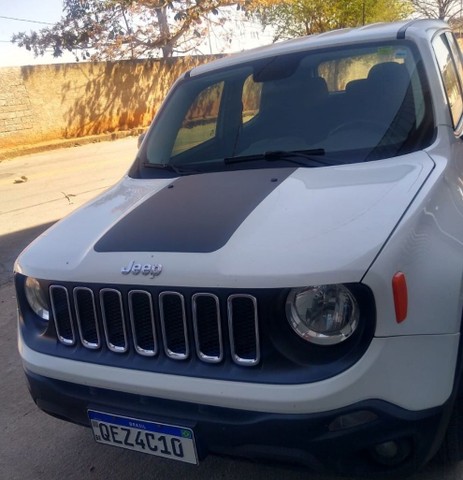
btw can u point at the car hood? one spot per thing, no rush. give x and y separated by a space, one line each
281 227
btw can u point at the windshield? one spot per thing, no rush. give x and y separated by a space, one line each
345 105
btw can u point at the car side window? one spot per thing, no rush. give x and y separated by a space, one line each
448 69
456 53
252 92
200 123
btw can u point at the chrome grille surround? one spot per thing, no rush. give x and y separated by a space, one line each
151 321
243 356
135 322
87 320
174 332
62 315
200 340
115 331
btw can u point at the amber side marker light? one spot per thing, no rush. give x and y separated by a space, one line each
399 289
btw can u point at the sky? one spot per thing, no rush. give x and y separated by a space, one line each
50 11
36 10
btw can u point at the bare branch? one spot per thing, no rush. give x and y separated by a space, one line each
110 29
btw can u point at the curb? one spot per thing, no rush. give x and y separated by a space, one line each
9 153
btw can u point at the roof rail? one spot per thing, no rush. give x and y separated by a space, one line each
403 29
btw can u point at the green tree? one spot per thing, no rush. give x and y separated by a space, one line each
114 29
295 18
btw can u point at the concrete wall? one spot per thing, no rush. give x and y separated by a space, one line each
49 102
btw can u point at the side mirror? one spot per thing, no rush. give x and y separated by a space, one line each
140 139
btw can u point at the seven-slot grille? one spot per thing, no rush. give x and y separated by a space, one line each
149 322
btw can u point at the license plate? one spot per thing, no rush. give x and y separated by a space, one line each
167 441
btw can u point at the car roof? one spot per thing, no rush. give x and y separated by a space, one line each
412 29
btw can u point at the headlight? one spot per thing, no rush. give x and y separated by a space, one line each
323 314
37 298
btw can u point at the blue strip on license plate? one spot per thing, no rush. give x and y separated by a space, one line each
167 441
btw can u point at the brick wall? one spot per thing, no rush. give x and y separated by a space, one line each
15 105
49 102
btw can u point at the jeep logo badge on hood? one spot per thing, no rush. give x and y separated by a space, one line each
145 269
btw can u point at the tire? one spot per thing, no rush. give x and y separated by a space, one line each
451 449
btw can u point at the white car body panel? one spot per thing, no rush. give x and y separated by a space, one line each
428 247
369 200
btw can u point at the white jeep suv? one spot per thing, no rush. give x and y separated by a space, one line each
280 273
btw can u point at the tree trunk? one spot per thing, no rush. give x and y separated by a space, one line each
167 48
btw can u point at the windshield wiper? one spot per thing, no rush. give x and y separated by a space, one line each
170 168
289 156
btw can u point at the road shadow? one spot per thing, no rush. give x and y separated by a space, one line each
12 244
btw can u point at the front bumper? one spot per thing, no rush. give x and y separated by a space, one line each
406 384
320 441
413 372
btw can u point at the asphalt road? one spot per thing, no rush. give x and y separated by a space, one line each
35 191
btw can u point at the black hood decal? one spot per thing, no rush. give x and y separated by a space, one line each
195 213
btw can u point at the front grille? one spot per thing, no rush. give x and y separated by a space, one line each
179 325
